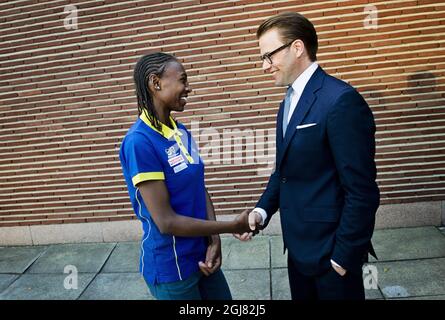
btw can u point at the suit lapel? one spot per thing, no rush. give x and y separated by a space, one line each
279 131
304 104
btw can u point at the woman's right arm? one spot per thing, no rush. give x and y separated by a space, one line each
157 200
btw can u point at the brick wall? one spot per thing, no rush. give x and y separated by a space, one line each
67 97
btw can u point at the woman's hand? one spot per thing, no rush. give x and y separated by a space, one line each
253 221
213 256
242 222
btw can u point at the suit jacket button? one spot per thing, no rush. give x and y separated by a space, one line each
283 180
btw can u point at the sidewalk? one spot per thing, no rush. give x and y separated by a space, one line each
411 266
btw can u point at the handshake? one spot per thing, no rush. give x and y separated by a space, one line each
250 223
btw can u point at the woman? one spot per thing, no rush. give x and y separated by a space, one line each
180 249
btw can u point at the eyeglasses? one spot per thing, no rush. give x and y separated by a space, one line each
268 55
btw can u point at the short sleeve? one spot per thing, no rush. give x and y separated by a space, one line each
141 159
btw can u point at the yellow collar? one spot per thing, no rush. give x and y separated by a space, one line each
165 130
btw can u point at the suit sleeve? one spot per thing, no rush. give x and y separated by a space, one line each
351 134
270 198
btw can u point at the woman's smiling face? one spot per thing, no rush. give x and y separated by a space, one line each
174 87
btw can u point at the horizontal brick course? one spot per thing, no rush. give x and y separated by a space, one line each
67 96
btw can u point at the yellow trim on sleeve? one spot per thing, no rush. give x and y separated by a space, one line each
147 176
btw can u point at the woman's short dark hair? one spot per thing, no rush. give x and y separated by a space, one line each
153 63
293 26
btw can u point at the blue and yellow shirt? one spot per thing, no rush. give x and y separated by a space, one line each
170 155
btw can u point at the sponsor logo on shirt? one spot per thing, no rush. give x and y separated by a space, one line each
171 152
175 160
180 167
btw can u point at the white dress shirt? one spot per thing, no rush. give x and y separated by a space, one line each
298 86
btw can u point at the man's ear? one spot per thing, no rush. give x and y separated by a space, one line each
154 83
298 45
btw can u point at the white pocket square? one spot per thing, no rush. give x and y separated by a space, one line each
306 125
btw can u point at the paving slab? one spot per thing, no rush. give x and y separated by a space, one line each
117 286
408 243
370 282
412 278
411 267
374 294
18 259
85 257
280 284
253 254
278 259
6 280
439 297
124 258
249 284
45 287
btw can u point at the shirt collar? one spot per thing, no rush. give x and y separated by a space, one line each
166 131
299 83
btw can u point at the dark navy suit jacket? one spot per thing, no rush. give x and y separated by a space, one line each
324 183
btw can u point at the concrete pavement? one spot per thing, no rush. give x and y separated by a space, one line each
411 265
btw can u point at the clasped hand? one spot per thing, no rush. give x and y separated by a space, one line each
254 221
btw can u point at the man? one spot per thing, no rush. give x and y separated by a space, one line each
324 179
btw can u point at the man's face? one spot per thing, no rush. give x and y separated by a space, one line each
285 63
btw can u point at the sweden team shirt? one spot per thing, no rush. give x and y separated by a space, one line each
170 155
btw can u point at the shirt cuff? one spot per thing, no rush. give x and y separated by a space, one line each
336 264
141 177
263 214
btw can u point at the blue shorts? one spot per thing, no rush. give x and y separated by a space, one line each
196 287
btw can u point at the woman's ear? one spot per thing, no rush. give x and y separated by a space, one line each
153 83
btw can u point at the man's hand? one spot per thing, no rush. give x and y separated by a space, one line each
213 257
338 269
254 220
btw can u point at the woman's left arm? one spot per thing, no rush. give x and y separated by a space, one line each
213 255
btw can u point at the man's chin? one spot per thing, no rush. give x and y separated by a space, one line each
279 82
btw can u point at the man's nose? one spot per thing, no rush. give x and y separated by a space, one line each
266 65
